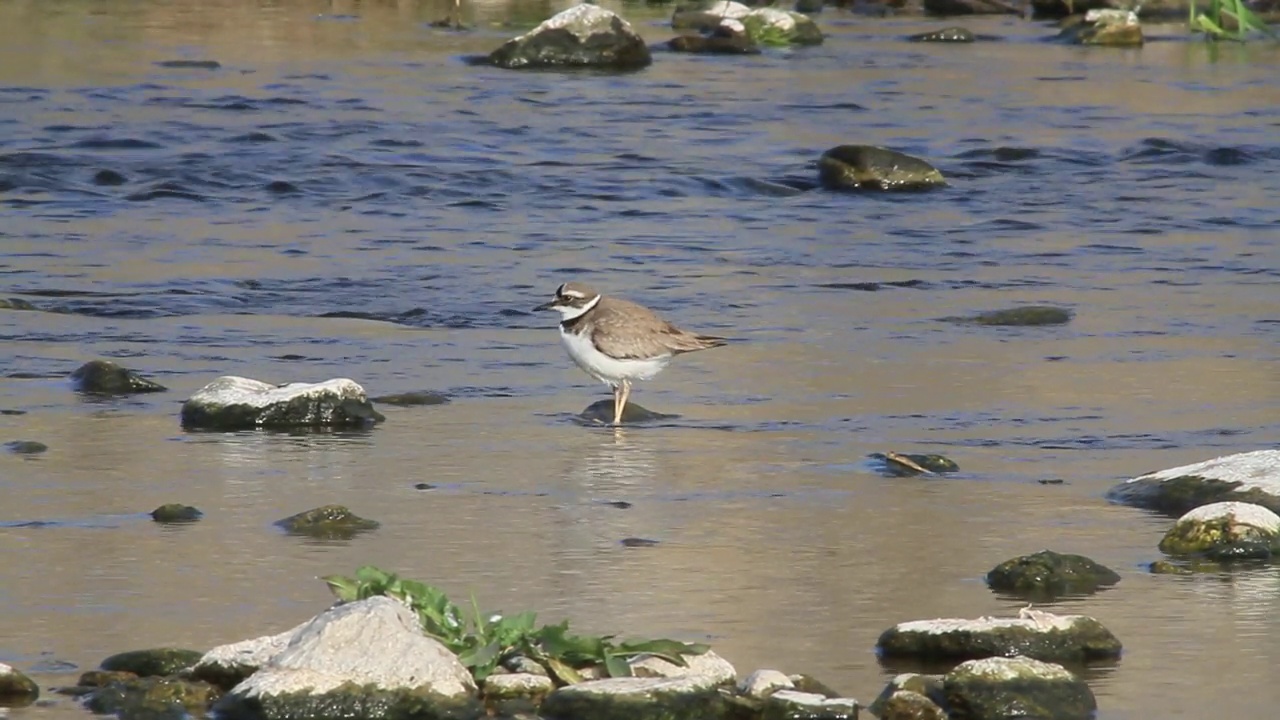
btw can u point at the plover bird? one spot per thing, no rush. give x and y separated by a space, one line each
617 341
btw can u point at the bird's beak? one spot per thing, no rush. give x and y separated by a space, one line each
545 306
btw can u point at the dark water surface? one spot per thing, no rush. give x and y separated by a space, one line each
343 196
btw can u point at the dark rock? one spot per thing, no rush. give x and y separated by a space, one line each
148 663
16 689
1036 634
1164 567
424 486
412 399
945 35
809 7
865 167
947 8
103 377
25 447
1047 575
1252 477
1017 687
103 678
190 64
637 542
1028 315
582 36
236 403
601 411
330 522
911 696
109 178
153 698
176 513
16 304
895 464
714 45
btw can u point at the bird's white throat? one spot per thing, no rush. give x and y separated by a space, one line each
568 312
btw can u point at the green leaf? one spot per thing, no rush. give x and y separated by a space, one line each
344 588
563 671
617 666
666 648
480 655
374 576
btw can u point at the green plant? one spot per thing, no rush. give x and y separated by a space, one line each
1223 13
482 643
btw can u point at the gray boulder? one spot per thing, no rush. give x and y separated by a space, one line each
707 16
763 683
367 659
634 698
1034 633
582 36
229 665
1252 477
789 704
1017 687
866 167
237 403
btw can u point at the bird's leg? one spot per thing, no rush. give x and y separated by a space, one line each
457 14
624 390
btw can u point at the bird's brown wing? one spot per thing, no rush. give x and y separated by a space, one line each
634 332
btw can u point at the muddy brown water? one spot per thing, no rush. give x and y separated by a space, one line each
344 196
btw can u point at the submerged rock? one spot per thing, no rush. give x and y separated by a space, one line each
945 35
237 403
328 522
367 659
601 411
1024 316
728 38
1225 531
1036 634
865 167
1252 477
16 689
412 399
25 447
103 377
1110 28
895 464
16 304
151 662
582 36
150 698
176 513
1048 575
1017 687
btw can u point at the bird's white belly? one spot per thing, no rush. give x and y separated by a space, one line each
606 369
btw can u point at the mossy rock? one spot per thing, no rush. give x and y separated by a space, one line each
1025 316
909 464
16 304
1225 531
1035 634
1047 575
908 705
349 700
152 662
810 684
680 698
928 687
329 522
771 26
153 698
1017 687
16 689
176 513
25 447
103 377
866 167
1251 477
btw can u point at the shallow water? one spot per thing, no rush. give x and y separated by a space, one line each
344 196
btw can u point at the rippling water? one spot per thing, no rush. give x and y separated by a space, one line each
342 195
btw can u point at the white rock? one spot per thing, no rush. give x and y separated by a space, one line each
814 705
763 682
233 390
773 17
578 16
1109 16
1248 514
244 657
1013 668
1027 618
708 666
511 684
1257 470
377 642
729 9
